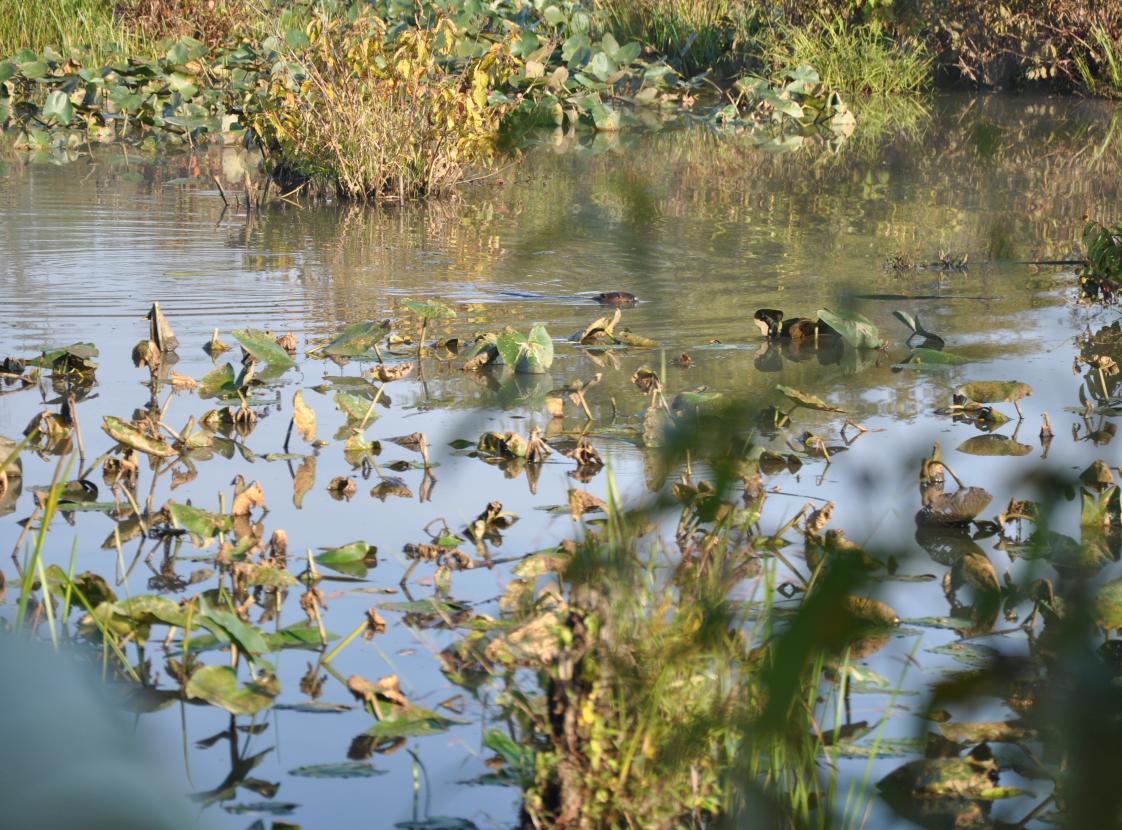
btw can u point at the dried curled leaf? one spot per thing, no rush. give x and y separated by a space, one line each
384 373
304 417
248 498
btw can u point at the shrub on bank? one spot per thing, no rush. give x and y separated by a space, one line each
369 117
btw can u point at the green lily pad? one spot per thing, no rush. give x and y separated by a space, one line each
352 559
202 524
995 391
527 354
355 340
411 722
130 436
263 347
806 400
430 309
350 769
218 686
855 329
922 356
994 445
218 382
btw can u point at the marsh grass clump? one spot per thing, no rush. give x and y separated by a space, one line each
368 116
853 57
63 24
696 35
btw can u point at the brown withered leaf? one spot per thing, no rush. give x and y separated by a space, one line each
818 519
287 342
374 623
537 450
248 498
385 374
958 508
159 330
304 480
585 454
146 354
215 346
416 442
391 486
304 417
182 383
647 380
342 487
581 502
386 690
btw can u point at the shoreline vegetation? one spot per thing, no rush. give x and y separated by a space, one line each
390 101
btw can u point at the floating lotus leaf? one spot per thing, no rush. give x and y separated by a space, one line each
995 391
527 354
411 721
304 417
934 778
806 400
994 445
958 508
923 356
430 309
352 559
129 436
855 329
263 348
218 686
349 769
1108 605
218 382
357 340
202 524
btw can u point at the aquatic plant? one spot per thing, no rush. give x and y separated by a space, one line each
372 119
851 57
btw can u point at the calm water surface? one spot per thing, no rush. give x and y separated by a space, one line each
704 229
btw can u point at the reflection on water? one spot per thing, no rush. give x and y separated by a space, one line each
704 229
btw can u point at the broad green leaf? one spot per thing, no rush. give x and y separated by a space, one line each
855 329
806 400
352 559
222 622
348 769
202 524
129 436
995 391
935 357
994 445
526 354
355 340
58 107
430 309
218 686
410 722
218 382
263 347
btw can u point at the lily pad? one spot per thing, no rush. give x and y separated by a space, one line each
352 559
527 354
806 400
995 391
218 686
130 436
356 340
350 769
263 348
994 445
855 329
430 309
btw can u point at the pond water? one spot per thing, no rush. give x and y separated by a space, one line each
705 229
